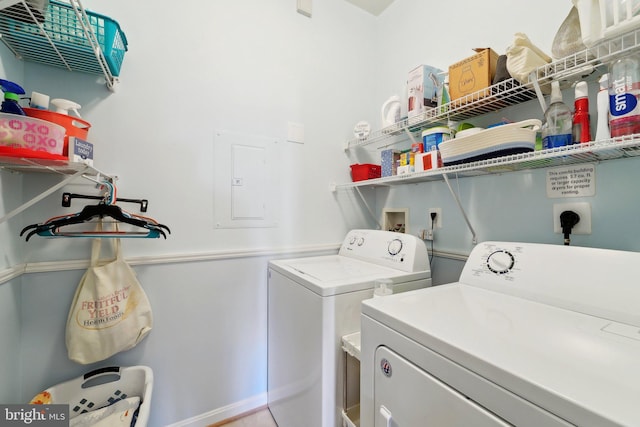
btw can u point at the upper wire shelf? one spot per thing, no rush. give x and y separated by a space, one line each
40 43
507 93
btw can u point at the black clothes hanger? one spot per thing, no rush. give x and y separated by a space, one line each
51 227
67 197
106 209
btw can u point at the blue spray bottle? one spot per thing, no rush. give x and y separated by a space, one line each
11 91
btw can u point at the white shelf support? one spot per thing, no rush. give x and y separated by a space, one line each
364 201
474 238
93 41
536 85
42 195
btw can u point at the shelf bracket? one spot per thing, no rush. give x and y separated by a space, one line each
533 77
83 19
364 201
411 137
44 194
474 238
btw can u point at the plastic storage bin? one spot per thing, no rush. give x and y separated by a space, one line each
66 32
23 132
601 20
360 172
103 387
73 126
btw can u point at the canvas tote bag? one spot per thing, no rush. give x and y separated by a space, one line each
110 311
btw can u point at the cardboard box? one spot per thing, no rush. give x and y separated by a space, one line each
428 160
402 170
389 161
422 89
473 74
406 158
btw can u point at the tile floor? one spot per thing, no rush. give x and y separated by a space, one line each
261 418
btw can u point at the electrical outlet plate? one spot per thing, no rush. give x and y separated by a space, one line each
438 221
583 209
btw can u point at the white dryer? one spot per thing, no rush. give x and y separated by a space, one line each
313 302
532 335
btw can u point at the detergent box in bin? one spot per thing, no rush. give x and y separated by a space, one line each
473 74
423 84
109 396
80 151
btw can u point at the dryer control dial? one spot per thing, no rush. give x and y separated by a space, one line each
500 262
395 246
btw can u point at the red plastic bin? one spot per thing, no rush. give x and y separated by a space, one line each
360 172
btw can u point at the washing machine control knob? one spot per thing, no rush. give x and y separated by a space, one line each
395 246
361 241
500 262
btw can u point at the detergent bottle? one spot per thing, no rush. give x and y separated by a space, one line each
11 91
391 111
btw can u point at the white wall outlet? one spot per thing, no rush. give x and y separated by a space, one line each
438 222
583 209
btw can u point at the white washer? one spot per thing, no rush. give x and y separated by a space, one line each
532 335
313 302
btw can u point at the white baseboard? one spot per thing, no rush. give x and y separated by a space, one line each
223 413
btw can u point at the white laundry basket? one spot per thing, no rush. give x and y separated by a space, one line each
602 20
103 387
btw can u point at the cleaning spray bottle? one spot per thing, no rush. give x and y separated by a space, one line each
556 131
11 91
64 105
581 121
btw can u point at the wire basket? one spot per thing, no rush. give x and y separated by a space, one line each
65 30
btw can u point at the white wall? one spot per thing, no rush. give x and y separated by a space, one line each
195 67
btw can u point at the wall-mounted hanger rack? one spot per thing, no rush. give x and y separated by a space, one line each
107 208
70 170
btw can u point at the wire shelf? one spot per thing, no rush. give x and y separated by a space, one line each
615 148
507 93
68 41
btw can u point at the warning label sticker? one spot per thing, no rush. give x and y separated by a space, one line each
572 181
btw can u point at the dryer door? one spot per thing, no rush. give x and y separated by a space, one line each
405 395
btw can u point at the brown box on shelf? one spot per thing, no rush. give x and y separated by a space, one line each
473 73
